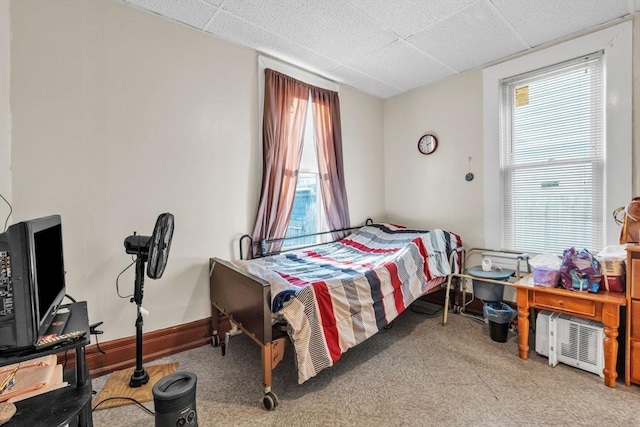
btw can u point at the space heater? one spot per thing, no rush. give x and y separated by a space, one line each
570 340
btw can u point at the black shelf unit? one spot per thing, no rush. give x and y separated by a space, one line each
70 405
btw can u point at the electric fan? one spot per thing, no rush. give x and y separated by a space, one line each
153 249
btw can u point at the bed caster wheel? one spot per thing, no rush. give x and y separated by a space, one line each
270 401
215 340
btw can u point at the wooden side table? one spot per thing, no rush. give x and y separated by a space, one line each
603 306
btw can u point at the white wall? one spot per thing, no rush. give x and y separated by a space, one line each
119 115
430 191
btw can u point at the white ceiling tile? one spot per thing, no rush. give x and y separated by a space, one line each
330 27
235 30
401 65
405 17
467 39
545 20
191 12
365 83
360 41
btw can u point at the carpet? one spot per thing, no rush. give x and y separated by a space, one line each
116 391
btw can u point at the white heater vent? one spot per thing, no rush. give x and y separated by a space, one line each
570 340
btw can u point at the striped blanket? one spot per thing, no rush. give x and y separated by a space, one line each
337 295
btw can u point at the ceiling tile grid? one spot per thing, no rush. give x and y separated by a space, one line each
214 2
235 30
405 17
546 20
448 40
194 13
401 65
330 27
365 83
387 47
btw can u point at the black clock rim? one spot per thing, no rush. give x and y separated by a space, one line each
435 147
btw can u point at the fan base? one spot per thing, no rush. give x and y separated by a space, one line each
139 378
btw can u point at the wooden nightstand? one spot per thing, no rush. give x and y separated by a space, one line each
632 356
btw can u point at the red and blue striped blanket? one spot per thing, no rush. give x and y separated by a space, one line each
337 295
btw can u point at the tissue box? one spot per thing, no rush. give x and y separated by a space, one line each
546 277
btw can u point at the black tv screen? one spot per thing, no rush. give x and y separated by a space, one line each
49 269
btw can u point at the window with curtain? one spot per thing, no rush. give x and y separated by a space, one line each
290 104
552 157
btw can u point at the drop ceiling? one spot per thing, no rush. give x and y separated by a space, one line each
388 47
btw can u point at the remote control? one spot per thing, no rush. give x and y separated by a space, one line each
52 340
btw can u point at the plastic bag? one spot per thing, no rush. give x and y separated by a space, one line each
580 271
548 261
613 252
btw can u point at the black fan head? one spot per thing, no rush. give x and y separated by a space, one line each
159 245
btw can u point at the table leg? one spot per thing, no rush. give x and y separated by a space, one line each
523 322
611 321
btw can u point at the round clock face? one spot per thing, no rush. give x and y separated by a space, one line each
427 144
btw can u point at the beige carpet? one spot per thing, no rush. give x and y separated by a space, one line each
418 373
116 391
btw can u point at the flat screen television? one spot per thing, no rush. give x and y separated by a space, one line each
32 282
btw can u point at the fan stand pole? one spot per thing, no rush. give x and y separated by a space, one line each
140 376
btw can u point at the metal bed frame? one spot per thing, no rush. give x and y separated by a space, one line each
244 299
245 302
262 244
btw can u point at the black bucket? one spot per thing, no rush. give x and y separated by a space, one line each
499 316
498 331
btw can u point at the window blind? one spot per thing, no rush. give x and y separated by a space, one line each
552 157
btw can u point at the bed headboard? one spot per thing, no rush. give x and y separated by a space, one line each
259 249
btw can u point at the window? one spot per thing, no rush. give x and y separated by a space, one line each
616 43
307 215
299 107
552 157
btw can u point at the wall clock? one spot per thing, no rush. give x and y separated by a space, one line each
427 144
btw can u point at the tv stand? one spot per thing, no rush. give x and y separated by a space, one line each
59 407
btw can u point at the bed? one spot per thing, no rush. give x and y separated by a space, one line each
329 298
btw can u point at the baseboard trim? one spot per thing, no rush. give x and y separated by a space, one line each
121 353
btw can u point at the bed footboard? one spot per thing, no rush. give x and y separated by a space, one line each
244 299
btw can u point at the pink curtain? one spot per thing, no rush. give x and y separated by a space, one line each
285 111
328 130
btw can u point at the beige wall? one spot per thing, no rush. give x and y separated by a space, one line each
430 191
5 112
119 115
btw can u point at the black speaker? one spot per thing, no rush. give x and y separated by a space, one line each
174 398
